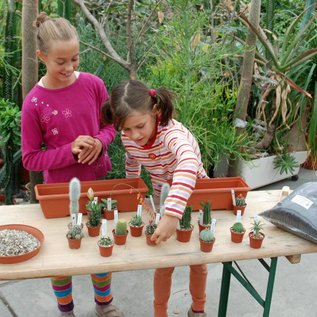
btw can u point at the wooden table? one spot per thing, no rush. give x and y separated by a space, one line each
55 257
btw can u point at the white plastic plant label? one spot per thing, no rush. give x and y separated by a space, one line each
302 201
115 216
96 200
157 218
238 217
152 203
200 216
73 219
139 211
213 225
233 197
79 218
104 227
109 203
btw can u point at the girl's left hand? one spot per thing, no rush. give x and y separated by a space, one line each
165 229
90 155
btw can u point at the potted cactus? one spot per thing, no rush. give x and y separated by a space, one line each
149 230
75 228
94 221
136 225
105 244
183 233
120 232
109 205
240 204
237 230
256 236
207 240
204 216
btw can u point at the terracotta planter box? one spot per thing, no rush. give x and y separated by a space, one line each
54 199
217 191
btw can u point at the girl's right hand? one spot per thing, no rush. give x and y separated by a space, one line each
165 229
82 143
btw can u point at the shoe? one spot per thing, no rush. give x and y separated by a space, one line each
67 314
108 311
192 314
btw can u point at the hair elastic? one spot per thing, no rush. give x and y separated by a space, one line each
152 92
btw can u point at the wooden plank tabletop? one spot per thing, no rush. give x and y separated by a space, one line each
55 257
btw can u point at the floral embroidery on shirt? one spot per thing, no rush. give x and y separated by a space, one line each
54 131
34 99
67 113
55 112
45 118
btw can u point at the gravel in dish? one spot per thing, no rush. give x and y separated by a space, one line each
17 242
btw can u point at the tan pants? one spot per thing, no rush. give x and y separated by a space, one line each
163 284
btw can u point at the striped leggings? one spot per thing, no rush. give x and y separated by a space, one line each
62 286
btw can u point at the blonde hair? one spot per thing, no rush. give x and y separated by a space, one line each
53 29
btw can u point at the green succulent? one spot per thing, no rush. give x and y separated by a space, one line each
150 228
121 227
207 235
256 227
75 232
95 214
105 241
240 200
185 221
238 227
136 221
206 208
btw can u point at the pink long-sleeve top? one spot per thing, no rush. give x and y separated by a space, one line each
173 157
53 118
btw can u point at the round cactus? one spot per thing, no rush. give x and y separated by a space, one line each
207 235
238 227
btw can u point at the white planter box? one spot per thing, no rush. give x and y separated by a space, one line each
261 172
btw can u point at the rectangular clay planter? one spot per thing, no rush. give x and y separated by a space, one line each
54 199
217 191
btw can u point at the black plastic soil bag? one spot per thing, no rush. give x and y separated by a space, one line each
297 213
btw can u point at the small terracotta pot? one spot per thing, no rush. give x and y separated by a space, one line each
183 235
149 241
202 227
108 214
74 243
206 246
136 231
105 250
120 239
236 237
93 231
236 208
256 243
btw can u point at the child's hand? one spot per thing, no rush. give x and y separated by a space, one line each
81 143
165 229
87 149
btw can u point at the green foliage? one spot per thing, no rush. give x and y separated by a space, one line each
95 214
75 232
206 208
285 163
10 135
185 221
256 227
150 228
206 235
240 200
121 227
136 221
104 203
238 227
105 241
199 69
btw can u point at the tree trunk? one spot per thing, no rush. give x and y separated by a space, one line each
29 66
247 68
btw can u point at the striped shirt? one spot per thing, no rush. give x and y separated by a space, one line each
174 157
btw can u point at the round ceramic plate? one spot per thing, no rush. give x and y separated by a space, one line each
26 256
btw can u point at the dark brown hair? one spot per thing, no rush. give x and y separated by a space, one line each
133 95
53 29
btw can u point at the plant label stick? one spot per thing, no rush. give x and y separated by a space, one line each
79 218
213 225
233 197
115 216
201 215
139 210
157 218
104 227
152 203
238 217
109 203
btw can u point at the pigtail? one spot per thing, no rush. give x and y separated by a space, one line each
107 115
164 102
